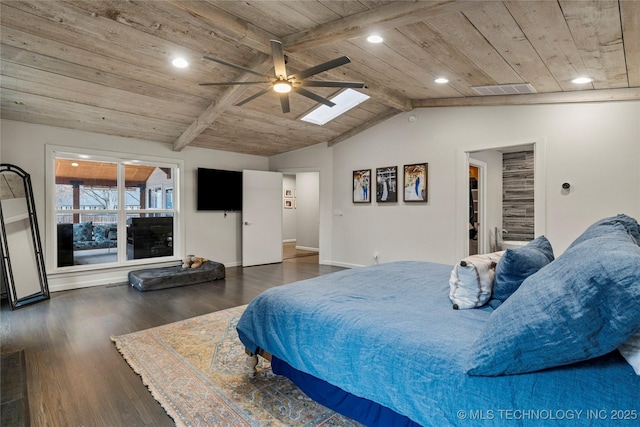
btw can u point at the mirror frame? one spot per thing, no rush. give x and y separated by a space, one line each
6 270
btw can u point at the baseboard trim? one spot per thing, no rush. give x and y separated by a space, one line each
340 264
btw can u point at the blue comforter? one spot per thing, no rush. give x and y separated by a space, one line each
387 333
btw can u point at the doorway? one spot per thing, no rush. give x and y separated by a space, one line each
292 254
474 207
301 216
490 188
478 243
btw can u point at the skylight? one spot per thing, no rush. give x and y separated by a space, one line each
344 101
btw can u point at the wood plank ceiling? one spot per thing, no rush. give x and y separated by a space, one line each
105 65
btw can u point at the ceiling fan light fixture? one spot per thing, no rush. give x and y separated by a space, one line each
283 83
282 87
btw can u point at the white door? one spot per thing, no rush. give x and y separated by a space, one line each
261 217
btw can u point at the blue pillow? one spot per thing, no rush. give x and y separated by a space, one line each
603 227
104 232
518 264
83 231
584 304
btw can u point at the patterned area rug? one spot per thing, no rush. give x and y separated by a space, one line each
197 370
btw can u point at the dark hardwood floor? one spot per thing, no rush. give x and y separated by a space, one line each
75 375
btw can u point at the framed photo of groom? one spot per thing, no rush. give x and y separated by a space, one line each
386 184
416 188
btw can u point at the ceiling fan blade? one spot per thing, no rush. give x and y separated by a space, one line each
254 96
313 96
284 102
237 67
321 67
232 83
330 83
278 59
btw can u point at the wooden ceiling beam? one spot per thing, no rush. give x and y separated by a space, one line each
630 14
388 16
389 97
228 26
603 95
261 64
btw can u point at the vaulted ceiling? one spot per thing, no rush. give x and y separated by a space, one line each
105 65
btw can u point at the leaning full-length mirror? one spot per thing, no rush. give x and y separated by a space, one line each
23 273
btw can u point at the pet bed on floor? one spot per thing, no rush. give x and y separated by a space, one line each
170 277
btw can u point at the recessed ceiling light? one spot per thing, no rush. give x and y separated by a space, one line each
441 80
374 38
180 63
582 80
74 164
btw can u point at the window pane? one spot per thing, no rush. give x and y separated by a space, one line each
89 215
91 240
86 185
155 198
87 234
132 198
98 197
64 197
149 236
168 198
150 181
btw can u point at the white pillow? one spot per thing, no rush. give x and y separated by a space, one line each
471 281
630 350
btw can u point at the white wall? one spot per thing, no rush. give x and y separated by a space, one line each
308 210
208 234
316 158
594 146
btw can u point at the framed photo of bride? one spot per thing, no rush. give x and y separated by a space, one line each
416 186
361 186
386 184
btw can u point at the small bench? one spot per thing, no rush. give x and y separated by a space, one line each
170 277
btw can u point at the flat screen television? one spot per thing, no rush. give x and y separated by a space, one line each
219 190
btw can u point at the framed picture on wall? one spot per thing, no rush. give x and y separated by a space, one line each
386 184
289 193
288 203
416 185
362 186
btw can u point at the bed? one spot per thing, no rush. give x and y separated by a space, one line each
383 345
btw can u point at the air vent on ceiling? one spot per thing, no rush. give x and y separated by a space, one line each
508 89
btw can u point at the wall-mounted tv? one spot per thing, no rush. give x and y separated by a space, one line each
219 190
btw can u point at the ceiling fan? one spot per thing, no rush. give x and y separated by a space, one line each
283 83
